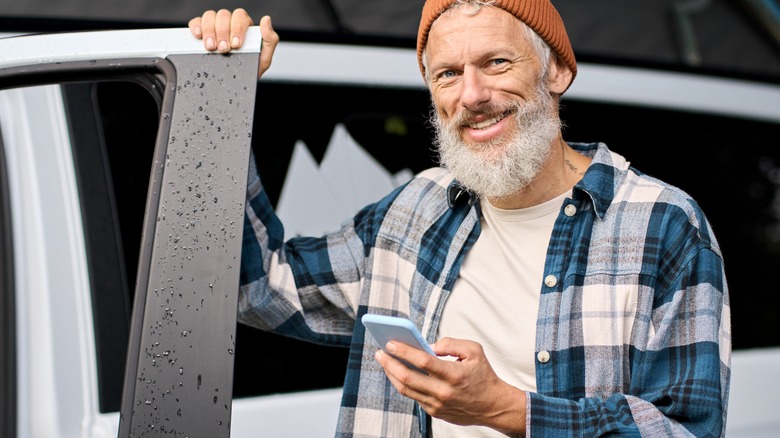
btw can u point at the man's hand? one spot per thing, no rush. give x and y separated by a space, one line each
466 391
224 30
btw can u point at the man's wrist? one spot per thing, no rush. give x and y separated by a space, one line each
512 418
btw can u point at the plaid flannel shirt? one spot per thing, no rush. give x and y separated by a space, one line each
633 313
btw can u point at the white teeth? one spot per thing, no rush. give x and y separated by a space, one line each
486 123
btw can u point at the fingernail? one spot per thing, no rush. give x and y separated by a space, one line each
210 43
390 347
378 355
223 46
198 32
236 41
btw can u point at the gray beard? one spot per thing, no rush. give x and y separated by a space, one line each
501 167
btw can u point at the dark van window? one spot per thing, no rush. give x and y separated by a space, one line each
113 129
390 125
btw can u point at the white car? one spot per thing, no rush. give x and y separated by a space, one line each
123 162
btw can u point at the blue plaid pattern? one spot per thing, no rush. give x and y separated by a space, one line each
636 323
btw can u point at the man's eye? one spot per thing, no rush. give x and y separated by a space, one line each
499 61
448 74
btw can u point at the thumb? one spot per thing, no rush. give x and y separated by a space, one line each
449 348
270 40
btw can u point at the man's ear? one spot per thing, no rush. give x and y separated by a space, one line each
559 76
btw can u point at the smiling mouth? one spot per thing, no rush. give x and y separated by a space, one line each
488 122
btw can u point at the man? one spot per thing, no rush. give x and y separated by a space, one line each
576 295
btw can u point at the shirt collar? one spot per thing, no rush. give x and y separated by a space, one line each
456 194
603 177
601 180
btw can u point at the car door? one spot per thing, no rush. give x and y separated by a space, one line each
70 342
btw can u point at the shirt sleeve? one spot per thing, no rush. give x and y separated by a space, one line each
305 287
678 380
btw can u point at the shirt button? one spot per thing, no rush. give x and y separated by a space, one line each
543 356
570 210
550 281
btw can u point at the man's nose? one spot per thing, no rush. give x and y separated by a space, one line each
476 90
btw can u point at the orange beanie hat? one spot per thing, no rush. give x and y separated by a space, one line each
539 15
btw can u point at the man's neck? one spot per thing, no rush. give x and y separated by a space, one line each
563 169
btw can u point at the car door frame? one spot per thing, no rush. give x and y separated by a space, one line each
206 119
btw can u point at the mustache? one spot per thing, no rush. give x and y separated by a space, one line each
489 111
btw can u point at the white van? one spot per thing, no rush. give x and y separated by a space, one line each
123 161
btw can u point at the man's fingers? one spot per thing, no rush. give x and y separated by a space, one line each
239 23
403 377
222 28
407 382
208 30
270 40
195 27
405 389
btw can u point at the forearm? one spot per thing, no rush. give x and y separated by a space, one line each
295 284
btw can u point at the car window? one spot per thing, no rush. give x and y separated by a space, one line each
7 308
113 126
94 130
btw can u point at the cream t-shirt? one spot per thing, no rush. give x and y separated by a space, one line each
496 299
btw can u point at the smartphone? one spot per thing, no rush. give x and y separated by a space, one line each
390 328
